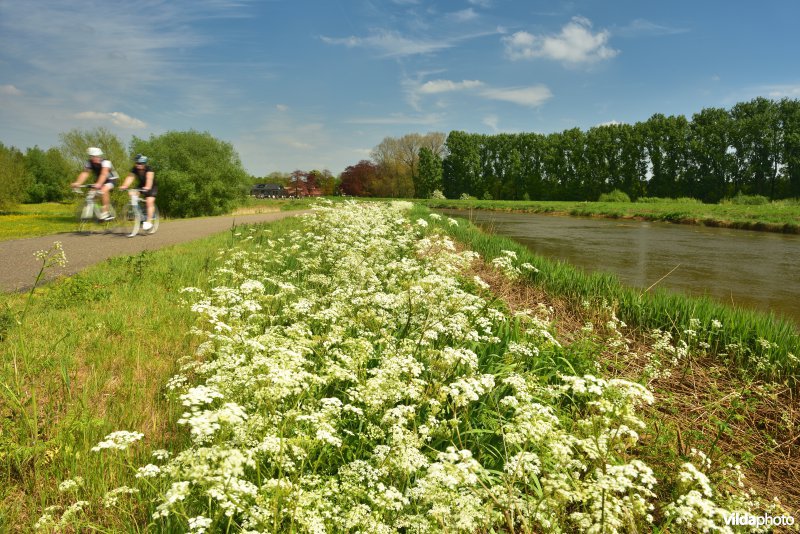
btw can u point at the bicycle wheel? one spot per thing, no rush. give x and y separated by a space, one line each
133 219
111 224
155 221
84 216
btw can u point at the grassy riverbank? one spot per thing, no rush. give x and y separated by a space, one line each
758 342
780 216
368 362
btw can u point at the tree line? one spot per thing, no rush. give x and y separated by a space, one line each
196 173
753 149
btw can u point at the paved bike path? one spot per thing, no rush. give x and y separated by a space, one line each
19 267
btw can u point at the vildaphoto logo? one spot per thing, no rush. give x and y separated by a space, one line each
748 520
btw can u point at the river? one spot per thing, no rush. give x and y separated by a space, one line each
740 267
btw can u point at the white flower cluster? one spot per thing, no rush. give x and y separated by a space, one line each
120 440
349 379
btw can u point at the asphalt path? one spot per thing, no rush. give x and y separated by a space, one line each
19 266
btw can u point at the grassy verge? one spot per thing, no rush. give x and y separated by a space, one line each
773 217
92 355
31 220
754 342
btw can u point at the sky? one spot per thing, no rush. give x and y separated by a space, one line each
317 84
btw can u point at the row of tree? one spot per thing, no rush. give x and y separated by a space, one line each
397 168
753 148
196 173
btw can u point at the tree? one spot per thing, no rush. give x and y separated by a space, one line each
197 174
326 181
666 140
711 165
13 178
49 175
75 142
461 167
357 179
430 173
397 159
758 142
789 111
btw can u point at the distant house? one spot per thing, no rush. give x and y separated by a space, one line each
268 191
302 190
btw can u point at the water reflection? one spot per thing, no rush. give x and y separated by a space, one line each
739 267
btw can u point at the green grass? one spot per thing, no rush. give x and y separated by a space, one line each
31 220
779 216
673 312
92 356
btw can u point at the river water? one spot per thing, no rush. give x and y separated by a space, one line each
740 267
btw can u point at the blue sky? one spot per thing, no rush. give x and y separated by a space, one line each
305 84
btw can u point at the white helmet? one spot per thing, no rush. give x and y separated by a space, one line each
93 151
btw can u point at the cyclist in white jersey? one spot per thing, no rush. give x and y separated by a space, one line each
105 178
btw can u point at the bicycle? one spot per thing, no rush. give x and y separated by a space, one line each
91 210
136 214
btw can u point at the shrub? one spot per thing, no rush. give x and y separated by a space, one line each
13 178
666 200
614 196
197 174
746 200
466 196
437 195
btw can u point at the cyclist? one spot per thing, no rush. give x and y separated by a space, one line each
147 183
105 178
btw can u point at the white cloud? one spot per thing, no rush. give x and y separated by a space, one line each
115 117
391 43
399 118
492 122
444 86
533 96
282 108
464 15
610 123
646 27
9 90
783 91
481 3
575 44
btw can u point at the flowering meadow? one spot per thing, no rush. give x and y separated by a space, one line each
357 375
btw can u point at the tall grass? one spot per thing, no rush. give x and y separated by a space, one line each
759 343
93 353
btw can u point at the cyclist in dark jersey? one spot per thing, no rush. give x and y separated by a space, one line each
146 181
105 177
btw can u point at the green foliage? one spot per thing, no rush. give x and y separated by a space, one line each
13 178
75 142
748 200
197 174
430 173
614 196
49 175
437 195
752 148
663 200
